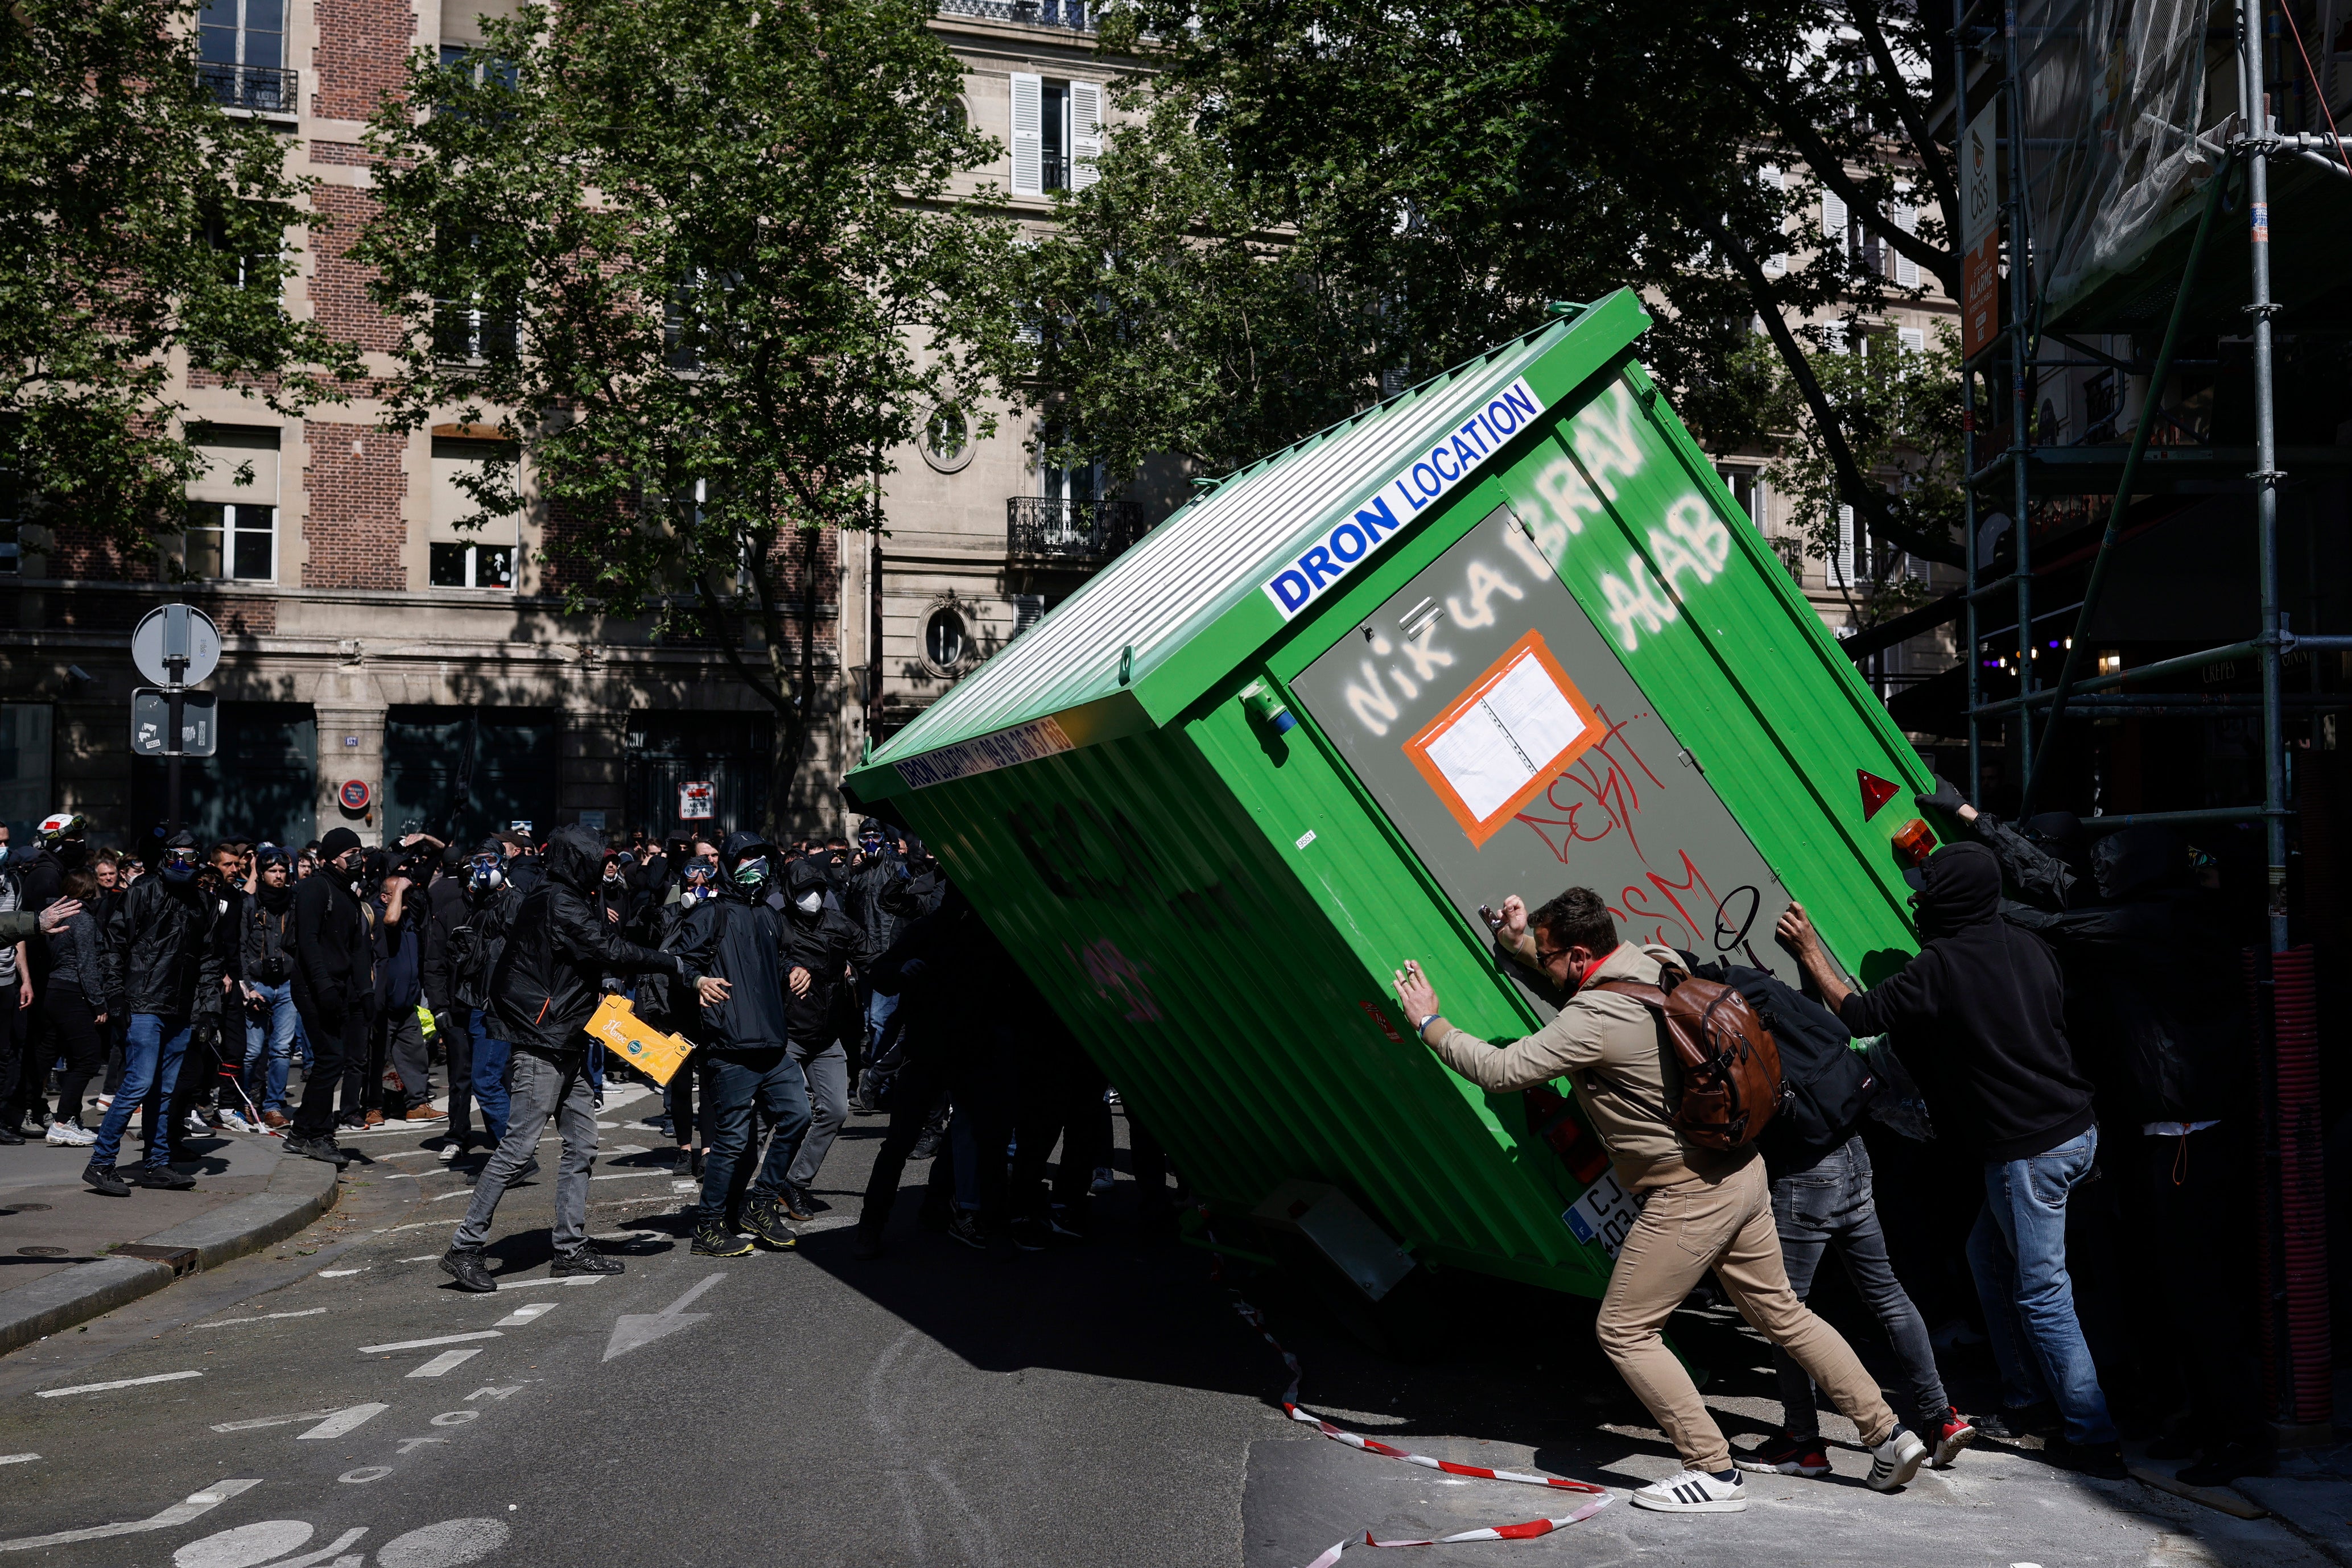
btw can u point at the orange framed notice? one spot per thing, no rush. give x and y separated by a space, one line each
1500 743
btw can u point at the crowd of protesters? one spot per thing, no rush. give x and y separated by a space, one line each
2064 981
187 984
2066 1019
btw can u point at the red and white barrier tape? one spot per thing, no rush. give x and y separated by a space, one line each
1527 1530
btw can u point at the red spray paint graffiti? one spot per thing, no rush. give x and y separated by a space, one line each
1117 979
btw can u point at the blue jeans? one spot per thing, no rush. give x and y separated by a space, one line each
151 1048
878 1011
490 1059
2018 1253
736 1079
269 1046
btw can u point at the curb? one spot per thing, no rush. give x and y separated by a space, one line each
299 1191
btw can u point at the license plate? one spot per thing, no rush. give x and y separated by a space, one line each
1605 1214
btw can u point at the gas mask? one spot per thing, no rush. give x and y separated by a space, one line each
179 867
485 876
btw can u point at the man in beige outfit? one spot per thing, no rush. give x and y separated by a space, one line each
1706 1209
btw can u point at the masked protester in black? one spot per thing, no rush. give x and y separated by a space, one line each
546 986
2165 1036
744 1034
960 994
819 942
163 971
334 983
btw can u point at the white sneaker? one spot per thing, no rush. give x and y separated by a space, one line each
65 1135
235 1123
105 1101
1694 1491
1894 1462
199 1126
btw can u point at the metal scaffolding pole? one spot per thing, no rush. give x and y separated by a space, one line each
2020 393
1973 787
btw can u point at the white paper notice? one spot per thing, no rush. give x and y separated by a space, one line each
1490 752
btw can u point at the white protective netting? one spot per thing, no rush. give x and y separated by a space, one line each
2119 130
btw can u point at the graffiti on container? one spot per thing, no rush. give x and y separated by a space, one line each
1082 852
1116 978
1601 795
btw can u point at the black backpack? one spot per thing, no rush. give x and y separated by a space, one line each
1826 1085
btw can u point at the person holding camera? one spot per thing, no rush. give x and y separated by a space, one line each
1706 1209
266 978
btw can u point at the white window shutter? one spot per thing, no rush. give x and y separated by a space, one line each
1915 338
1907 271
1085 132
1841 563
1028 136
1833 219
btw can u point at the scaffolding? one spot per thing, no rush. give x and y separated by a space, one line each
2125 130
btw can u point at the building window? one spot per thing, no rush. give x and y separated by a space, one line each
1747 488
481 555
947 442
232 530
472 565
1056 134
235 540
241 55
946 643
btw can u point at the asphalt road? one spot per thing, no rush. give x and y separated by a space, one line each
331 1403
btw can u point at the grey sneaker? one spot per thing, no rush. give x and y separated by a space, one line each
1894 1462
584 1260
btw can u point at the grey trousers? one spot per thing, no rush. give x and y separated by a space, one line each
1829 1206
827 1072
541 1088
404 1043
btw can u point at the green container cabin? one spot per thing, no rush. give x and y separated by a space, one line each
1504 633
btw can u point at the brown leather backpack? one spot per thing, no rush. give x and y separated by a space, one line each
1729 1062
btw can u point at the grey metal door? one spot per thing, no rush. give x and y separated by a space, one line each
1506 743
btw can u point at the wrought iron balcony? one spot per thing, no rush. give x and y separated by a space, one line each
264 89
1069 533
1071 13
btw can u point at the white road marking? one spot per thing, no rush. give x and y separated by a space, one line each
631 1330
266 1317
451 1543
327 1554
343 1421
17 1458
403 1153
197 1506
622 1176
341 1273
426 1344
456 1417
522 1315
567 1279
443 1362
260 1421
118 1382
406 1175
244 1546
420 1258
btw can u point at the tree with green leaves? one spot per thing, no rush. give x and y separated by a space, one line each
1897 410
697 259
143 230
1326 194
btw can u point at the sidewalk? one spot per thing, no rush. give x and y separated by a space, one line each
57 1267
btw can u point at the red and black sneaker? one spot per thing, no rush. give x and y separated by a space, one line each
1949 1435
1786 1454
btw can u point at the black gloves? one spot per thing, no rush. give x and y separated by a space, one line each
1946 798
206 1033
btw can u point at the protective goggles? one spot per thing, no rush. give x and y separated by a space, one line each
188 857
701 870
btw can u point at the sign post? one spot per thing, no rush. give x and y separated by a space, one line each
175 647
1980 232
696 800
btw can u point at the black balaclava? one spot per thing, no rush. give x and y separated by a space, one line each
804 881
1962 890
2138 861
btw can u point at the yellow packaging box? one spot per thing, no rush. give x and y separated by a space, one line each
636 1042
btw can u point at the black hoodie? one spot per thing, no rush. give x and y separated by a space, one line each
1980 1010
559 947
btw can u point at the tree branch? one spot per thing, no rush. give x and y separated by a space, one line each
1829 169
718 619
1939 176
1868 502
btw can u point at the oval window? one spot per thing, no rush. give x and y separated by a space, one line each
945 642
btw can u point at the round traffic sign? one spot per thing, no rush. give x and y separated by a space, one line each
354 795
176 632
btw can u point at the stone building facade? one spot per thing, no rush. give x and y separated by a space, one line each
371 651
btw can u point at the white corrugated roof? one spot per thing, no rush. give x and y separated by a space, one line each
1208 557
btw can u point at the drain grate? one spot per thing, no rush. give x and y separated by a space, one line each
24 1208
40 1252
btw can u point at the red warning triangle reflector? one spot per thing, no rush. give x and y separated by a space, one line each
1876 792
